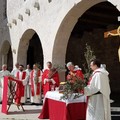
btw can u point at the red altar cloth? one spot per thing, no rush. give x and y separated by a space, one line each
5 93
59 110
4 101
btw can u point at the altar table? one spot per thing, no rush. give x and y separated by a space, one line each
56 109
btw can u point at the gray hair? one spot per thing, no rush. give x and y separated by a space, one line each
4 65
69 64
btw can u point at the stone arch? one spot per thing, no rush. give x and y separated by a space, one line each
6 54
66 26
24 43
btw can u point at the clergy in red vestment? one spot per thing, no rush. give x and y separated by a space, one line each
22 76
35 85
50 78
74 72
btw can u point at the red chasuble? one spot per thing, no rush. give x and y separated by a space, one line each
77 73
32 83
47 86
20 88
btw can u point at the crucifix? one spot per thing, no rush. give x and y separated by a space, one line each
115 32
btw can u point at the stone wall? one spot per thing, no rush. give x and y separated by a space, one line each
52 21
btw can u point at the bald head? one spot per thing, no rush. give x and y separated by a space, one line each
17 65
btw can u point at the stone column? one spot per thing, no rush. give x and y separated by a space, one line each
62 76
4 59
0 61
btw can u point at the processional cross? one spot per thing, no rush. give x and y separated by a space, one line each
115 32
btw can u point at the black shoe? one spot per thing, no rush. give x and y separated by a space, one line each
37 104
32 103
41 103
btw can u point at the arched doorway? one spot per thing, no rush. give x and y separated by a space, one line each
89 27
30 49
34 52
6 55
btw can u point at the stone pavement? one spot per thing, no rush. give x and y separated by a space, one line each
115 113
31 113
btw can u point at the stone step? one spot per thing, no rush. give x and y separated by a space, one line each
115 118
115 113
115 109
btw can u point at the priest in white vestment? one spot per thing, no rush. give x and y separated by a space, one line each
15 70
28 70
3 72
98 92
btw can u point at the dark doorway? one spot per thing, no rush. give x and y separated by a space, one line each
10 60
90 29
35 52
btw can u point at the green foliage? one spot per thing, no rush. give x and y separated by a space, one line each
38 65
89 55
71 87
59 67
76 85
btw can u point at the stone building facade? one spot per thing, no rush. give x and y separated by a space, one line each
57 30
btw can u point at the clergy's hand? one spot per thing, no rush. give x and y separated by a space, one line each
53 81
68 77
48 80
40 79
24 82
45 80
